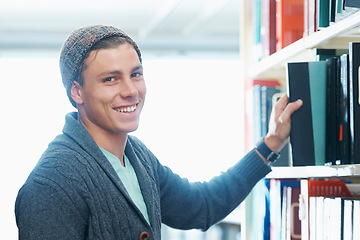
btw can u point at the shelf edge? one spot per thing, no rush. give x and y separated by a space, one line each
315 171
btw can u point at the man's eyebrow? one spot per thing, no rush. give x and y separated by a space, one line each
109 73
116 72
139 67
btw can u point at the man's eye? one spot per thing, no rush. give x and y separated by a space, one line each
109 79
136 74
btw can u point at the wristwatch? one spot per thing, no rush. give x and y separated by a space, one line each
266 152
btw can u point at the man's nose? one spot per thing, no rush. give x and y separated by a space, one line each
128 88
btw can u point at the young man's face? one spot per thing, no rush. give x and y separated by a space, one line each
113 91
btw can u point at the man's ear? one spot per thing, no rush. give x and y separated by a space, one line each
76 93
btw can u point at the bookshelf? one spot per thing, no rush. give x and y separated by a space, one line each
337 35
339 171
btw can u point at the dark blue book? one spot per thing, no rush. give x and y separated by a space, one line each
307 81
354 102
332 83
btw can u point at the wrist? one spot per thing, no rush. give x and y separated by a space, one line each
266 153
274 143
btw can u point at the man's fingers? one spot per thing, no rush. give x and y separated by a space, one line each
291 108
282 102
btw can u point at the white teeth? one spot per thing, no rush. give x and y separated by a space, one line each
126 109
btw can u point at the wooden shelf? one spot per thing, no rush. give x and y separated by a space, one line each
315 171
335 36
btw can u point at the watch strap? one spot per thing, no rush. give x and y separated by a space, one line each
266 152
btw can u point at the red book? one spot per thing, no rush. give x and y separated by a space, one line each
289 22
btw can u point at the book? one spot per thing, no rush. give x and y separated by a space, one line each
266 232
275 209
307 81
309 17
354 189
347 219
257 121
339 10
352 3
268 27
322 54
285 214
257 30
354 102
260 218
316 205
289 22
323 10
332 11
343 127
333 77
314 208
332 219
294 223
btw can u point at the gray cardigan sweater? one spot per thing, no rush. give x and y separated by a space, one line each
74 193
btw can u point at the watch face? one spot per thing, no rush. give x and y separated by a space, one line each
273 156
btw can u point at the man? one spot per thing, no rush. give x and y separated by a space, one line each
97 182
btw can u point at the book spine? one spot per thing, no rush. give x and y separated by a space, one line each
317 80
343 127
331 108
354 102
323 13
257 114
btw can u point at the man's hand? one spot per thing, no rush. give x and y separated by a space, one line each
280 123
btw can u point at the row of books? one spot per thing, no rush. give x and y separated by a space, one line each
322 13
334 218
278 23
305 210
323 213
326 129
283 204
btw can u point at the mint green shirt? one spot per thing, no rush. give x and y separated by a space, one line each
128 177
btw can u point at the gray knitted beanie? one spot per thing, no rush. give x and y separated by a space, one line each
78 45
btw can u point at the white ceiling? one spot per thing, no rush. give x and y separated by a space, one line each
156 25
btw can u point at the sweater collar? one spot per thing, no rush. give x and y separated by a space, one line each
75 130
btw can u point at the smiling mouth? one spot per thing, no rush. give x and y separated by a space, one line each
126 109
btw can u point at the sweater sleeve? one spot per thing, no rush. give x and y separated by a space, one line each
186 205
44 213
47 208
